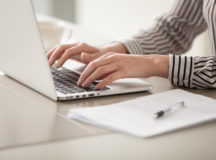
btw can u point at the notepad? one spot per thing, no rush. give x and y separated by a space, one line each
135 116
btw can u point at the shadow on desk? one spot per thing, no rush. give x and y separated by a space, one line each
27 118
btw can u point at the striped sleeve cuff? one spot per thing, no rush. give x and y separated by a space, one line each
132 46
181 70
204 72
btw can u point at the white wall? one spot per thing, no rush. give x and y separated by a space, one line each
120 18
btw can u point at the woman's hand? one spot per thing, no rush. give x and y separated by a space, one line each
80 51
113 66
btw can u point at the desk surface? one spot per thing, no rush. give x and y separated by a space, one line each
35 127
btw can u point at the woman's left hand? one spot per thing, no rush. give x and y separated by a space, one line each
114 66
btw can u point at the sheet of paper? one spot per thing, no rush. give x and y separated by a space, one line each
136 116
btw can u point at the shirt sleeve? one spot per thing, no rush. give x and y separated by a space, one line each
193 72
173 33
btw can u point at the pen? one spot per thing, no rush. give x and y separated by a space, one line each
162 113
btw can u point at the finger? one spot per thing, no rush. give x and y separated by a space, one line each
88 57
78 49
109 79
104 76
93 66
108 54
50 52
58 52
76 57
99 72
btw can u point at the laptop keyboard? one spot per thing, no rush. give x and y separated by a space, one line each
65 82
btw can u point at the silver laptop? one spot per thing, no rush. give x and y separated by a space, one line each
23 58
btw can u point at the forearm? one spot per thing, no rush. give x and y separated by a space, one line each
173 33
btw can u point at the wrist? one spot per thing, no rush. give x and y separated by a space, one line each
160 65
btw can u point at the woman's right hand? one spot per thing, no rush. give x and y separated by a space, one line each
79 51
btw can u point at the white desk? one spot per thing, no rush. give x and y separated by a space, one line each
34 127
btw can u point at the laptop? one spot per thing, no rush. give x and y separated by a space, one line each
23 58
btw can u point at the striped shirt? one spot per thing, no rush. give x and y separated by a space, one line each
173 34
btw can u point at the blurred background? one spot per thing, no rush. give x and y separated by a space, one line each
114 18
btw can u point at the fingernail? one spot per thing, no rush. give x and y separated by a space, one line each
84 84
97 87
58 65
79 83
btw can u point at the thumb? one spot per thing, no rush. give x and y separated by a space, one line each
88 57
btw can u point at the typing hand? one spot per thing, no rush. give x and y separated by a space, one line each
79 51
113 66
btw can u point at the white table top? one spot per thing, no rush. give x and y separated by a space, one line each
35 127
